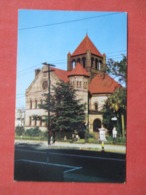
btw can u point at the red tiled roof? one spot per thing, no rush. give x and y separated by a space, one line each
85 45
103 84
61 74
78 70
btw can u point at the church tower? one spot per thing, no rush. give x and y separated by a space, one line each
88 56
79 78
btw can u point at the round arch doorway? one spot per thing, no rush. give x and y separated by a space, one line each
96 125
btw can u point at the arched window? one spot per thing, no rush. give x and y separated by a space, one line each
96 106
92 62
78 60
96 125
96 64
73 64
84 62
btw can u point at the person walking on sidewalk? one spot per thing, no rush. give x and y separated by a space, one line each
102 136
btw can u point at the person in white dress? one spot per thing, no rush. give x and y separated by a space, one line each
102 136
114 132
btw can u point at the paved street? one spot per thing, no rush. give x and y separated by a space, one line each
86 146
36 161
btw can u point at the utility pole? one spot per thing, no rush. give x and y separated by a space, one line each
49 85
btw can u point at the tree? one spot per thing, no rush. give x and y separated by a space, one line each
117 69
67 113
116 103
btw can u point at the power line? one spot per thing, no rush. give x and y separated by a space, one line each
56 61
60 61
68 21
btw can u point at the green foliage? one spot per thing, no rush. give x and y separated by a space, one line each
117 100
115 105
19 130
118 69
118 140
33 132
68 112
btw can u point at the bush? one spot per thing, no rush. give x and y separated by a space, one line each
44 135
33 132
19 130
118 140
81 134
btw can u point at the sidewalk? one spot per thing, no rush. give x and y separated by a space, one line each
84 146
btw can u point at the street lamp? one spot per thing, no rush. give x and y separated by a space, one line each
114 120
114 131
49 85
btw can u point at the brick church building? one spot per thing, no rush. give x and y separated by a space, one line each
84 72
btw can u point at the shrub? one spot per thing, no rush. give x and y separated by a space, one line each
118 140
19 130
33 132
44 135
81 134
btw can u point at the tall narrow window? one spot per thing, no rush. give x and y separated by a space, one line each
96 106
84 62
85 85
96 64
40 122
36 103
30 121
99 65
78 60
30 105
92 62
35 122
73 64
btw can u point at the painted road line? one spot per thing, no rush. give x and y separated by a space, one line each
73 155
72 168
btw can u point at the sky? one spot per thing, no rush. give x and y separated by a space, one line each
48 36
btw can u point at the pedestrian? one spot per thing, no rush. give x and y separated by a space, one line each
102 137
102 133
114 132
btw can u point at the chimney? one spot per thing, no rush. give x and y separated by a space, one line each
37 72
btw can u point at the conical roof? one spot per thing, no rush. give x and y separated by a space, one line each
78 71
85 45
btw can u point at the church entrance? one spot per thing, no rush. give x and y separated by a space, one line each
96 125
